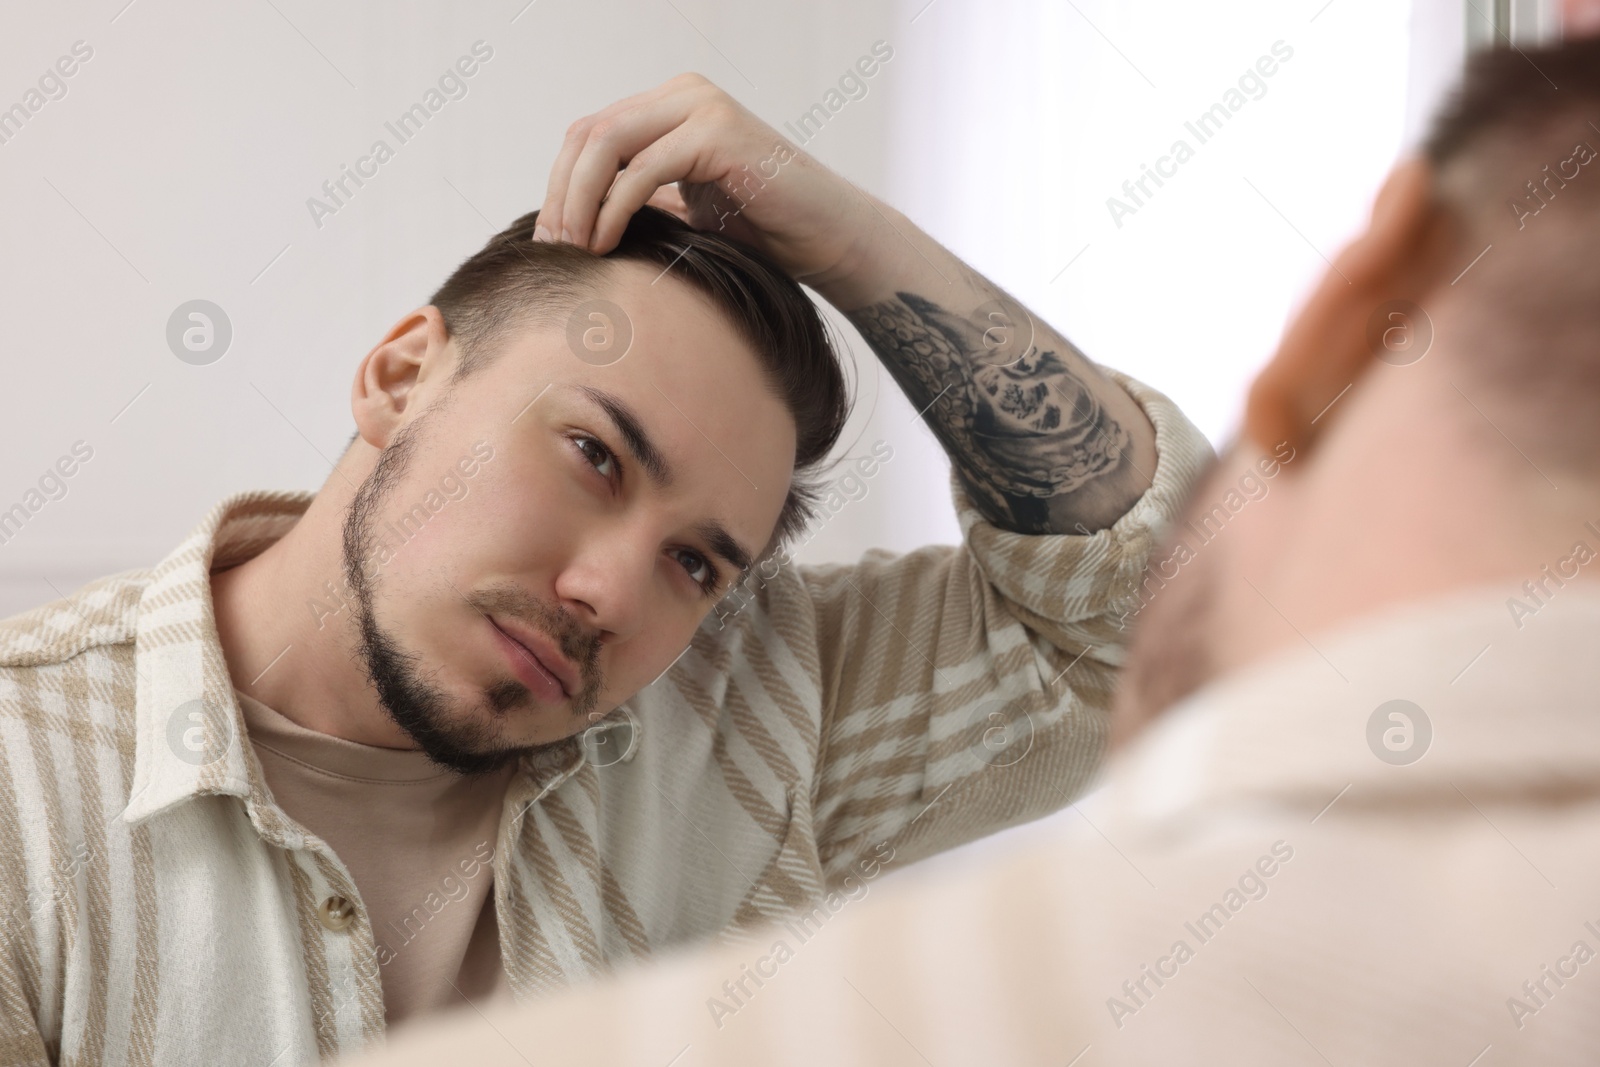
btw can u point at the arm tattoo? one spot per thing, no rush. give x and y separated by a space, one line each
1031 440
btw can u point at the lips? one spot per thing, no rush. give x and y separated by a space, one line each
543 652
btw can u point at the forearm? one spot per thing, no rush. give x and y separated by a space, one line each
1042 440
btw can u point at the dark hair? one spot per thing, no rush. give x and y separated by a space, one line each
1516 173
515 282
1515 91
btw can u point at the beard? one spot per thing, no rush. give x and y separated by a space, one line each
450 737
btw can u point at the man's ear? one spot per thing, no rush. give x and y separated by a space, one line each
1327 346
414 350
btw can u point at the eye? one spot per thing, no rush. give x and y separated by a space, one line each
597 450
707 582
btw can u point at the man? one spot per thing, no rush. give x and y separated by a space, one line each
1363 828
498 738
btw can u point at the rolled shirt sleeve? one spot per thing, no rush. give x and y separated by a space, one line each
966 688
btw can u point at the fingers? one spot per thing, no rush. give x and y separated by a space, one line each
681 156
596 145
572 144
612 143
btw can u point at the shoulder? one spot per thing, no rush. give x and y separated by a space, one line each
68 665
103 612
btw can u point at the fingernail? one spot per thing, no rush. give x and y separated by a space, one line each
565 236
541 234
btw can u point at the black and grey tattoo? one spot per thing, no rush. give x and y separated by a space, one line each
1031 440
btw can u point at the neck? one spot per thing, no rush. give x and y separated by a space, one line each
1412 496
289 632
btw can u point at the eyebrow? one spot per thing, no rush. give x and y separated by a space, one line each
642 447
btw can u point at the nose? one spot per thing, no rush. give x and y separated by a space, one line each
607 581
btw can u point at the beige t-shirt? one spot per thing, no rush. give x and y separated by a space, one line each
419 842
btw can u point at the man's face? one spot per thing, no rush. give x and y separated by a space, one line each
559 534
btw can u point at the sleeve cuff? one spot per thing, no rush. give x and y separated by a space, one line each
1070 577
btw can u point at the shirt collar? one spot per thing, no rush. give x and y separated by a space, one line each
1504 710
190 731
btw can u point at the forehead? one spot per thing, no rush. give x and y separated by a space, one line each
652 345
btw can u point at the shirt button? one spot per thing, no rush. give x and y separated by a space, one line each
336 913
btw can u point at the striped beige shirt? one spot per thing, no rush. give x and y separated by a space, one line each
159 908
1380 849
